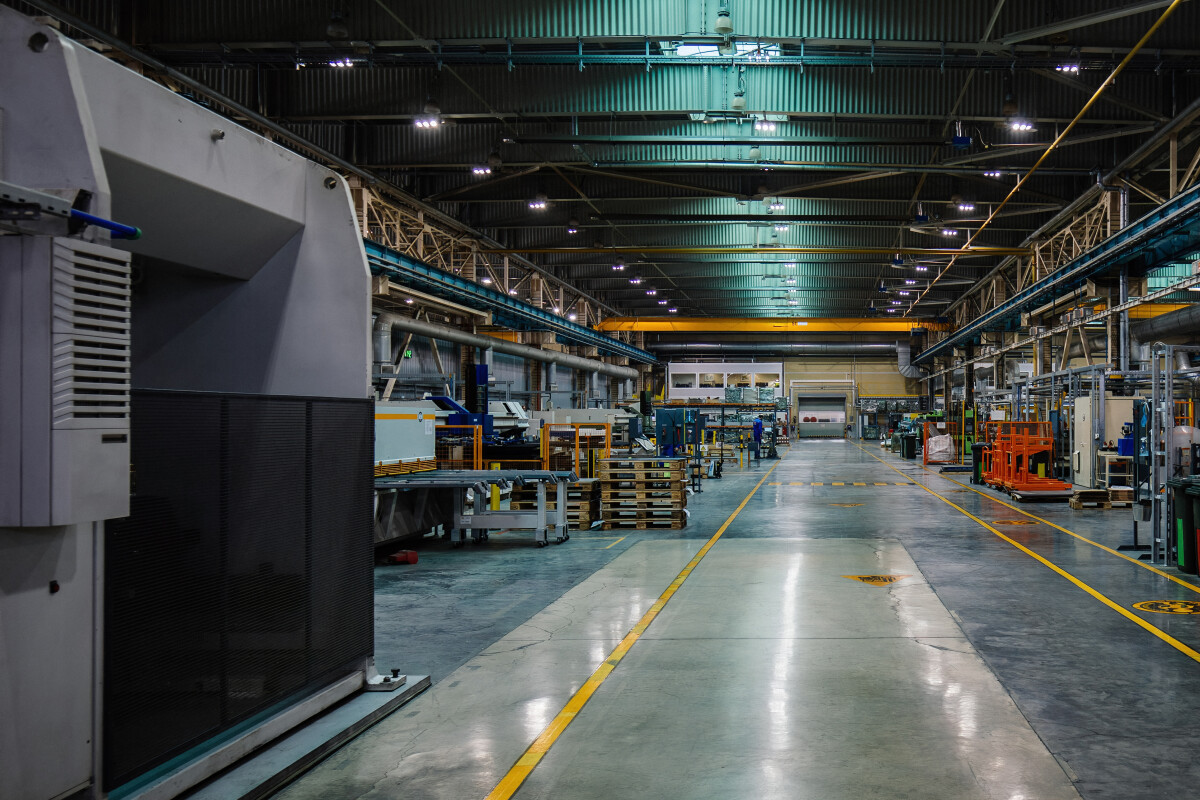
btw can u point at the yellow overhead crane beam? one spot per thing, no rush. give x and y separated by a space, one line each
889 252
766 325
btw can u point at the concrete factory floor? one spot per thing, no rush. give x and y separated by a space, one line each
1003 660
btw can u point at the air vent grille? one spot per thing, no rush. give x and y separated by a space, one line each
91 336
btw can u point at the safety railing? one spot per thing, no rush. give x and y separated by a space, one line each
576 446
458 446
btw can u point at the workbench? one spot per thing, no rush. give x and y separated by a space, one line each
475 516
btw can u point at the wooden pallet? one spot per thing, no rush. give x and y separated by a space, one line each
647 463
643 494
643 505
1090 498
404 468
644 524
621 515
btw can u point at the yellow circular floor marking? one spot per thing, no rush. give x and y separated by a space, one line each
1169 606
877 580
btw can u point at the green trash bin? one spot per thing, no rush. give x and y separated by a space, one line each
1185 518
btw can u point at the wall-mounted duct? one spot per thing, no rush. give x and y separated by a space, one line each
904 362
391 322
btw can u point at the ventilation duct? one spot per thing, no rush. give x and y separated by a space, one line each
904 362
1175 327
447 334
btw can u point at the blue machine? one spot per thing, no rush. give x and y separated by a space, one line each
461 416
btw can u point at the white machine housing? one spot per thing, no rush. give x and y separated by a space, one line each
404 432
1088 437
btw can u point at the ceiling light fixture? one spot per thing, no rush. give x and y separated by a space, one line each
966 206
513 292
485 280
777 205
484 170
431 116
619 266
652 292
891 311
949 232
781 227
539 203
672 310
1071 69
920 268
663 302
910 282
635 280
1020 125
724 24
764 126
336 28
408 301
992 173
572 317
345 62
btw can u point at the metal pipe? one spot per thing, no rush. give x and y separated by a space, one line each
1123 297
447 334
381 340
1183 325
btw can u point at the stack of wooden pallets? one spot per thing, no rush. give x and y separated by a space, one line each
583 501
1090 498
643 493
1120 496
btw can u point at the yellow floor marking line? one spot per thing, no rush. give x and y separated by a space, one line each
1078 536
860 484
838 483
617 542
1166 637
511 782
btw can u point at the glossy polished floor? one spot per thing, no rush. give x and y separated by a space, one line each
1003 660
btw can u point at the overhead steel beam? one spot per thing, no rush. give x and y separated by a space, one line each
506 310
781 141
776 165
765 325
974 250
1160 236
1083 21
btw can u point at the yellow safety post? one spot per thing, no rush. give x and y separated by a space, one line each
495 498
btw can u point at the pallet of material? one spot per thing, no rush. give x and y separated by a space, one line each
1090 498
1120 496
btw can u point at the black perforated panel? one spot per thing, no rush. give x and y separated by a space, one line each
242 577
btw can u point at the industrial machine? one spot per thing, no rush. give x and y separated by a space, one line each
1098 424
187 413
677 428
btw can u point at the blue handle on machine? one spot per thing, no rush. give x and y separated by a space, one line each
118 230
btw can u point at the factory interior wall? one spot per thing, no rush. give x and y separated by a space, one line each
873 375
